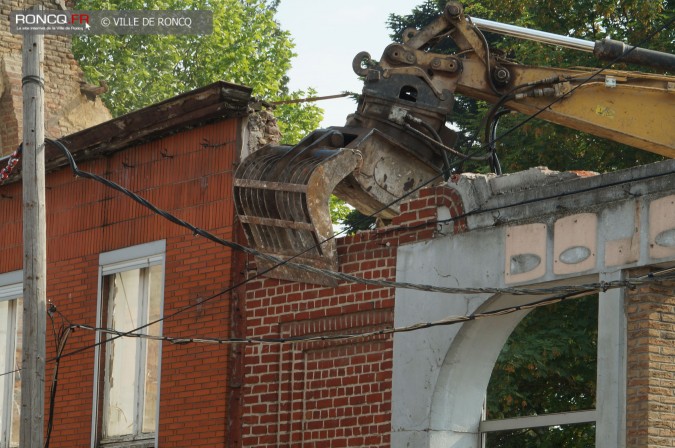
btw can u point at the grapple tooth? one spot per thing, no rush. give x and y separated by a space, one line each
281 197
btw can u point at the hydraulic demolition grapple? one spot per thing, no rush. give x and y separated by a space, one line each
397 139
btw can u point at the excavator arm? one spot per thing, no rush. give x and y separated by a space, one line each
397 139
627 107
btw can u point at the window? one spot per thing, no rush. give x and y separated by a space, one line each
129 368
543 387
10 358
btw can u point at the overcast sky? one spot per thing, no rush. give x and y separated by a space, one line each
327 36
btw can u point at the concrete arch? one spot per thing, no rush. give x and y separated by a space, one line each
440 375
455 411
524 238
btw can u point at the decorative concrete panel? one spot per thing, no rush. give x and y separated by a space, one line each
575 243
525 253
662 227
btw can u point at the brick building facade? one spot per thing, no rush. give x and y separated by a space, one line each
331 393
650 404
112 262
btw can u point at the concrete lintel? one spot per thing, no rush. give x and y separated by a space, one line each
538 191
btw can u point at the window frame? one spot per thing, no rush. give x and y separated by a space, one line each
11 290
535 421
113 262
609 413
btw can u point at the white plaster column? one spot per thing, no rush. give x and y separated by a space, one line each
610 429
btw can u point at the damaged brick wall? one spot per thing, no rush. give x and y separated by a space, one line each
262 130
321 393
67 110
332 393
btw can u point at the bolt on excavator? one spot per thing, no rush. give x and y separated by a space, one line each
397 140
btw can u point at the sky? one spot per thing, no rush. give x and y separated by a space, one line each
327 36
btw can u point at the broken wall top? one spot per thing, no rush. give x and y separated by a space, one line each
67 109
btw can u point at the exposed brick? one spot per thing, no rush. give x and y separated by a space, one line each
650 406
330 393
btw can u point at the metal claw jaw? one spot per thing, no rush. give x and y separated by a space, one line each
282 195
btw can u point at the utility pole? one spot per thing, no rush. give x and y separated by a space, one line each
34 244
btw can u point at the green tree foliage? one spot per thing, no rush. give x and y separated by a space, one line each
339 210
296 120
547 365
355 221
541 143
246 47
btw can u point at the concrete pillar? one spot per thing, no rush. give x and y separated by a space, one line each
611 369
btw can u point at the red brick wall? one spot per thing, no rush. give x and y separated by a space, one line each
338 393
85 219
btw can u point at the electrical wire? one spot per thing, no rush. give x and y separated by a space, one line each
438 142
312 99
446 321
61 340
335 275
557 195
278 261
582 290
661 276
